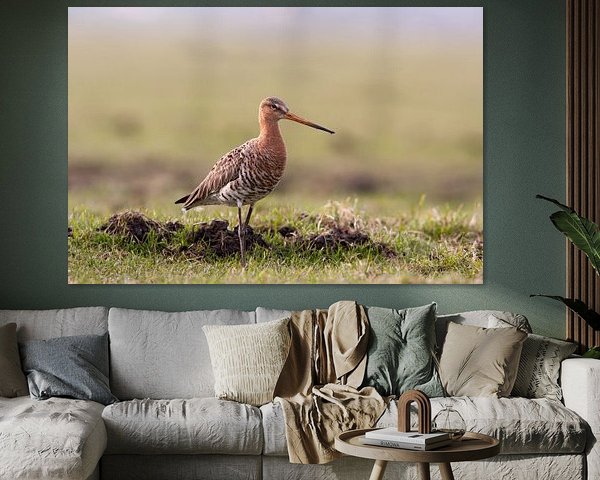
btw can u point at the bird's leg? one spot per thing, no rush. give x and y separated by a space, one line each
241 235
247 222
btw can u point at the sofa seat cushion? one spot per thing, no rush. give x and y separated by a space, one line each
57 438
190 426
523 426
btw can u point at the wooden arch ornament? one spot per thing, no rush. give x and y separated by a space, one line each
423 410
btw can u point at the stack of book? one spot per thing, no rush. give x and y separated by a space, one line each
391 437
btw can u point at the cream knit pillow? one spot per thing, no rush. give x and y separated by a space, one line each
247 359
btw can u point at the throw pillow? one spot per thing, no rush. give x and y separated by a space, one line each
73 367
477 318
400 355
247 359
539 365
12 379
480 362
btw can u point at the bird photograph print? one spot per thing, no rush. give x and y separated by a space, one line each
271 145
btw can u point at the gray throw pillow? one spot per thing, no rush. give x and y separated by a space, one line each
400 355
539 365
12 379
74 367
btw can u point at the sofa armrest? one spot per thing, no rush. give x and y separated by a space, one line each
580 381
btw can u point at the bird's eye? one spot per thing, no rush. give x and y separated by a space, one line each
274 107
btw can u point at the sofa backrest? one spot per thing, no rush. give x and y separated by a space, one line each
270 314
45 324
164 355
477 318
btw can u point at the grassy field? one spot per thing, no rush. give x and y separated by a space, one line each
150 113
338 243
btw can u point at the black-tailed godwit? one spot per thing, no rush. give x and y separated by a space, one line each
251 171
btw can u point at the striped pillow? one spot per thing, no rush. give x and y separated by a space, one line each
247 359
539 365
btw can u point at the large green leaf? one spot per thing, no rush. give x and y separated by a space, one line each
591 317
564 207
584 233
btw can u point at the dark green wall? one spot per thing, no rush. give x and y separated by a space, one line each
524 154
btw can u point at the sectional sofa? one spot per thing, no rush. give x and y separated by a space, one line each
168 425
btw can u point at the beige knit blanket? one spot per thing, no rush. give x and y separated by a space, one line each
317 388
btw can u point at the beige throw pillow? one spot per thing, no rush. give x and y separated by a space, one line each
480 362
12 378
247 359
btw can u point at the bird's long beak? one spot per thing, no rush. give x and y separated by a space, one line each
296 118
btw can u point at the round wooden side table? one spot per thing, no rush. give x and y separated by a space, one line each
472 446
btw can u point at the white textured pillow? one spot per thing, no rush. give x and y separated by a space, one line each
539 365
247 359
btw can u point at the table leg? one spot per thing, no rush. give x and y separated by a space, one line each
423 469
446 471
378 470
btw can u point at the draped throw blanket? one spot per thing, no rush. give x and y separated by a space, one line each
317 388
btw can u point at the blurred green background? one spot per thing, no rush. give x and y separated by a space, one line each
157 95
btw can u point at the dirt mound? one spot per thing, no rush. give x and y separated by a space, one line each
136 226
334 238
216 238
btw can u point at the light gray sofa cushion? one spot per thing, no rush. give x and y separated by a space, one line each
523 426
45 324
57 438
270 314
164 355
193 426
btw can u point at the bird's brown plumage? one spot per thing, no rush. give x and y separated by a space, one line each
228 169
251 171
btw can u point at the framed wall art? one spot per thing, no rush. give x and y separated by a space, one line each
275 145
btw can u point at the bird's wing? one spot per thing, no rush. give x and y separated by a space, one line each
224 171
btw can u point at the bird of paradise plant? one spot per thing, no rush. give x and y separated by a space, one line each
585 235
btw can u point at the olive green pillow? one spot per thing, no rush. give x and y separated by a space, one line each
480 362
400 355
12 379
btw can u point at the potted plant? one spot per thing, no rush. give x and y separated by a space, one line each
585 235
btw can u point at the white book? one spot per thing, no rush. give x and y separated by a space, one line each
394 435
405 445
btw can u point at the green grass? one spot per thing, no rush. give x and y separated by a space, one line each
425 245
